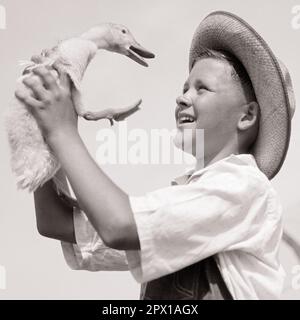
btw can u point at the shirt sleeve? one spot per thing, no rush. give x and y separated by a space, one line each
89 252
225 209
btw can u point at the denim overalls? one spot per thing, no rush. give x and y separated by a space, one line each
200 281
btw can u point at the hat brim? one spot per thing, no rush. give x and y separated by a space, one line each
225 31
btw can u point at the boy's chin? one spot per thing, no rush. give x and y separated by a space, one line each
182 143
190 142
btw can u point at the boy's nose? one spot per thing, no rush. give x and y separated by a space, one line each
183 102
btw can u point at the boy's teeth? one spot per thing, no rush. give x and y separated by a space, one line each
186 119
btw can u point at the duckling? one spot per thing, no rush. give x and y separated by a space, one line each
32 161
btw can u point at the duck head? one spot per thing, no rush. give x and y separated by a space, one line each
117 38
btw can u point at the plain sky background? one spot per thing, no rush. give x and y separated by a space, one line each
35 266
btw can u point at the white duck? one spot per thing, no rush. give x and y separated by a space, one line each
31 159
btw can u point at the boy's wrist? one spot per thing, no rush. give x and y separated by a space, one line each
62 138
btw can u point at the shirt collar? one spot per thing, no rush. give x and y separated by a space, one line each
191 172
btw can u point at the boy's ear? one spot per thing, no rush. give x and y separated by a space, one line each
249 116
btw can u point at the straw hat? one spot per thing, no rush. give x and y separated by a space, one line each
270 79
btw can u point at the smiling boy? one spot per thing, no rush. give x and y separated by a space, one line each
215 233
219 98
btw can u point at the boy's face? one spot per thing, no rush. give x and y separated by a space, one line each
213 99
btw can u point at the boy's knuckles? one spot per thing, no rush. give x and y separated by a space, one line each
32 81
40 70
27 81
46 102
28 103
19 93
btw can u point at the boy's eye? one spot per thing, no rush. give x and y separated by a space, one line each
201 88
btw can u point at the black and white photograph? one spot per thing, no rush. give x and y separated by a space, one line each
150 151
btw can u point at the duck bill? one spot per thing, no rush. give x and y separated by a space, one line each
138 53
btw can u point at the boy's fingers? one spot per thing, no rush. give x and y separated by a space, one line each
47 77
37 58
27 99
35 84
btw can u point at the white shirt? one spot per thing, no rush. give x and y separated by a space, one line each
228 209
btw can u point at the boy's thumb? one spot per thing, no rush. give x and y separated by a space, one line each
65 81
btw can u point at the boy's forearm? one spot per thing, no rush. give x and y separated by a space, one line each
54 217
104 203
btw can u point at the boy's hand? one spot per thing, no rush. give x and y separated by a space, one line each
49 102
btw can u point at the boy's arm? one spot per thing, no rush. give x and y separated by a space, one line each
53 216
104 203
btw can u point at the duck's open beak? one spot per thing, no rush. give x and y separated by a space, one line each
136 52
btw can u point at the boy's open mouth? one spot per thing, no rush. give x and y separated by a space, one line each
185 118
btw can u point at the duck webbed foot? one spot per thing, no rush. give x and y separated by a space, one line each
117 114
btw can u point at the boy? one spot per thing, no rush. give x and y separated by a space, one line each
215 233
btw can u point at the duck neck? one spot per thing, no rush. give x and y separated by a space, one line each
99 38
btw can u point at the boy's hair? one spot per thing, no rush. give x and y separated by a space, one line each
238 73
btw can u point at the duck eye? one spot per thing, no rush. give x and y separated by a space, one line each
123 30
